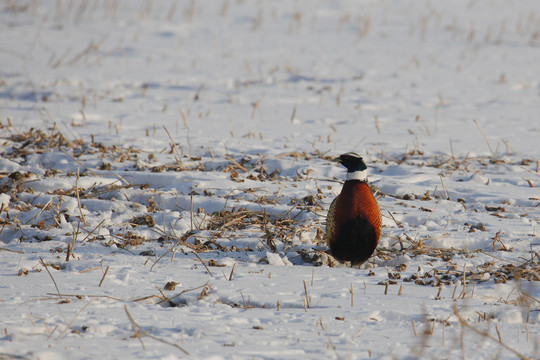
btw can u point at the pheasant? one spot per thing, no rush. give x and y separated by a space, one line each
353 224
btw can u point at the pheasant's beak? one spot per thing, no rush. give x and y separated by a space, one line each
338 160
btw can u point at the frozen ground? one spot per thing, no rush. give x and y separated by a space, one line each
165 176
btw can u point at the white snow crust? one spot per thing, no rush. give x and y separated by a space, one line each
166 170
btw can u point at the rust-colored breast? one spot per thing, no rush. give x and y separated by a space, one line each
361 202
355 201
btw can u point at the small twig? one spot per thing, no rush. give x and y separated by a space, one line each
47 268
531 171
232 272
78 198
529 296
91 232
78 296
431 213
179 160
68 252
400 292
499 258
393 218
446 195
451 148
531 184
377 125
10 250
140 331
166 252
464 324
438 297
485 137
73 320
443 333
39 213
75 235
164 296
103 277
237 164
243 299
308 302
464 291
53 331
498 333
191 212
183 292
71 246
184 117
202 262
293 115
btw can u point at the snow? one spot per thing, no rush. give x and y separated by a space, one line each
101 213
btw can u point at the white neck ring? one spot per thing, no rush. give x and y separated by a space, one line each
357 175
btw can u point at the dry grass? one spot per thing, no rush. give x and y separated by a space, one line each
273 229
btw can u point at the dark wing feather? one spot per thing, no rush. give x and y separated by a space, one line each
330 222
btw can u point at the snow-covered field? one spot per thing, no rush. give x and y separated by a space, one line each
166 171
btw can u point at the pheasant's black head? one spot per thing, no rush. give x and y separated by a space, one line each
352 161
